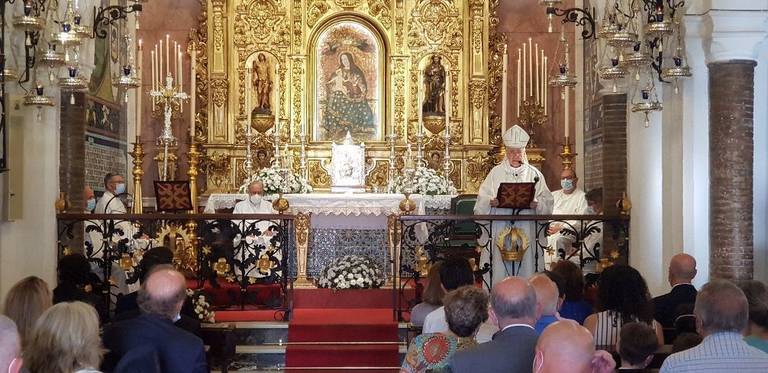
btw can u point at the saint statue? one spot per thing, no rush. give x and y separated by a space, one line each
434 87
262 85
346 104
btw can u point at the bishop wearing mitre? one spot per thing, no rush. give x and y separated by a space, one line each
513 169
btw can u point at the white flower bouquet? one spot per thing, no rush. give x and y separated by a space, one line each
278 181
201 306
422 180
352 272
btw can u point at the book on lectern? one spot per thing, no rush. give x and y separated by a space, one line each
516 195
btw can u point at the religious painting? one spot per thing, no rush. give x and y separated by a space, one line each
261 89
349 83
434 88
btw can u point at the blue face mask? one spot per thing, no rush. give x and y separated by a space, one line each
91 204
567 184
120 188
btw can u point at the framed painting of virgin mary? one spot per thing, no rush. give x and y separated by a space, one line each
348 83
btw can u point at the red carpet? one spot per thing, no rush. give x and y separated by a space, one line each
334 331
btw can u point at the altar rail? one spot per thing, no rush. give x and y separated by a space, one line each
597 241
237 260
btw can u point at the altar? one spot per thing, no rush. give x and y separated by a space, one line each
343 223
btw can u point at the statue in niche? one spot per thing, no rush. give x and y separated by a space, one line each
262 85
434 87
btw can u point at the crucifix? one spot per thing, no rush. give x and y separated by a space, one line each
167 96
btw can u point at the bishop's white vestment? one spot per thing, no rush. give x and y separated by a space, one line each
505 173
574 203
247 207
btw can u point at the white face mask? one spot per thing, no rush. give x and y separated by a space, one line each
255 199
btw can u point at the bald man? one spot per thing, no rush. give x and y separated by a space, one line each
722 314
513 306
547 301
566 346
679 301
10 346
160 299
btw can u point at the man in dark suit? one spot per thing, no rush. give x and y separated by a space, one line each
680 300
160 300
513 306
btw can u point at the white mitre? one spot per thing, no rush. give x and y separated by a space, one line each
516 137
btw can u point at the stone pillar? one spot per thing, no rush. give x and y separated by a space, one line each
72 150
731 155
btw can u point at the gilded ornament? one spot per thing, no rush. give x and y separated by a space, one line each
221 267
380 10
348 3
477 90
316 10
378 175
512 244
318 176
219 89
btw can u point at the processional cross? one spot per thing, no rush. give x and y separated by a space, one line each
168 96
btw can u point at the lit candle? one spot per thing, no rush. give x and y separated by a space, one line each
530 67
517 87
536 74
525 71
504 62
192 88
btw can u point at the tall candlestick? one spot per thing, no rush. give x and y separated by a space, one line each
525 72
517 87
530 66
167 55
192 88
536 75
567 110
504 62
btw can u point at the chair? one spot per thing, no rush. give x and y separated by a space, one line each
463 236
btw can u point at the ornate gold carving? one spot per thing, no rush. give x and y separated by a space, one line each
316 10
262 123
378 176
497 41
218 24
198 39
216 168
432 23
477 90
476 8
318 176
297 24
348 3
477 168
380 10
399 81
258 21
301 232
531 117
219 89
298 90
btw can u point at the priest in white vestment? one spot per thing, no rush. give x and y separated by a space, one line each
513 169
570 200
255 204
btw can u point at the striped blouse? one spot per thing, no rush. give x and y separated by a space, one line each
719 352
608 328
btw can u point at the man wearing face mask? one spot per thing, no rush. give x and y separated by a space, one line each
570 200
255 204
110 203
89 198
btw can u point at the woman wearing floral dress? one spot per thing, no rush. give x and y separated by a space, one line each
465 309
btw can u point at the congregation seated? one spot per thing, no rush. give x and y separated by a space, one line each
637 345
723 313
465 309
547 301
432 298
65 340
574 307
25 302
513 307
455 272
679 301
10 346
127 306
566 346
623 297
160 299
757 297
78 283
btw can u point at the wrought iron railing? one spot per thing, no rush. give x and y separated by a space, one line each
244 253
595 240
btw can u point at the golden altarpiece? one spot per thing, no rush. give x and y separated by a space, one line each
310 70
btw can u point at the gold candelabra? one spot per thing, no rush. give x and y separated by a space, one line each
567 155
194 161
138 172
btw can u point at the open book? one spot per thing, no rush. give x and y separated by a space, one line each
516 195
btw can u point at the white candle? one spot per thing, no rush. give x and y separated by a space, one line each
567 112
138 93
192 88
160 75
175 56
447 101
277 92
167 55
504 62
517 87
181 70
530 66
536 74
248 88
154 75
420 102
525 72
546 83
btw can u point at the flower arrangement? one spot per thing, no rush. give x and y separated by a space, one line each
352 272
422 180
278 181
201 306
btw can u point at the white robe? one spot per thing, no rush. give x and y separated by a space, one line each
574 203
505 173
246 207
108 204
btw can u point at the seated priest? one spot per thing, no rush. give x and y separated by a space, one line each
257 233
513 169
570 200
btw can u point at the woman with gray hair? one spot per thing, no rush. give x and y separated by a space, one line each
65 340
465 309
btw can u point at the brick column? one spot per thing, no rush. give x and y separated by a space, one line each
72 150
731 91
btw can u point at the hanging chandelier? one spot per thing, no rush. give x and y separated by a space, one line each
636 39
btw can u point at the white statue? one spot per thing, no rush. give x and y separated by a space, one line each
347 166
